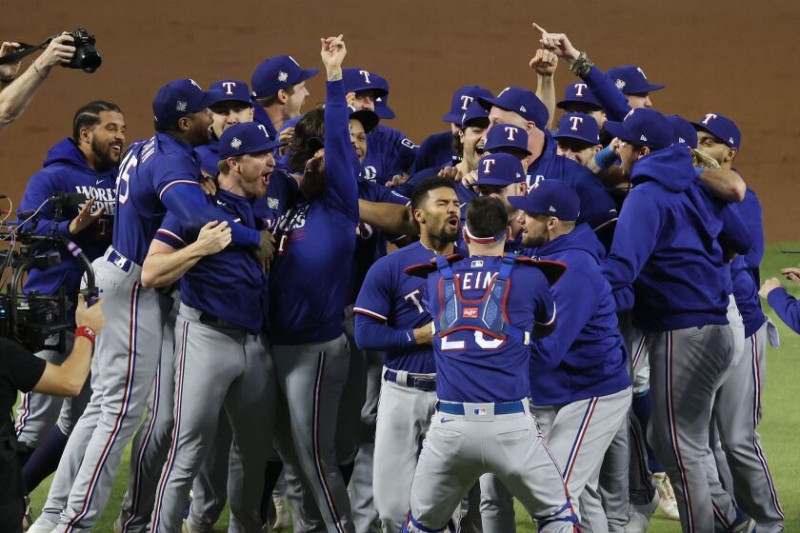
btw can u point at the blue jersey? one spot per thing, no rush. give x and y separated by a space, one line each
230 285
614 103
159 173
316 241
66 170
474 367
391 296
597 206
585 355
402 150
436 151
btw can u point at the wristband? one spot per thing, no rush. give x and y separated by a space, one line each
87 332
605 157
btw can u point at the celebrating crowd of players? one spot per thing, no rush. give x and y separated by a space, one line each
570 317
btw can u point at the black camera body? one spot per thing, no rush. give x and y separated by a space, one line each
86 55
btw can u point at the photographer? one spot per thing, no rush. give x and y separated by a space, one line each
83 164
17 93
20 370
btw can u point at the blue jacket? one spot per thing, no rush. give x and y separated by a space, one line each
666 244
585 355
66 170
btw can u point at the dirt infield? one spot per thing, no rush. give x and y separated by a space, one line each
736 58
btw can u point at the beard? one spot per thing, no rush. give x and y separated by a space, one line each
105 156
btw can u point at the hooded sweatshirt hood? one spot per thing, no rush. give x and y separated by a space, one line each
671 167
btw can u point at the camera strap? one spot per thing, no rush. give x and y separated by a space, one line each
24 51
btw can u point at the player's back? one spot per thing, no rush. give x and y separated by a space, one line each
148 169
472 365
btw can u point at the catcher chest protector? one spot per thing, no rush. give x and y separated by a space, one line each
487 314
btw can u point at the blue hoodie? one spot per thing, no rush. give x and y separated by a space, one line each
666 244
66 170
585 356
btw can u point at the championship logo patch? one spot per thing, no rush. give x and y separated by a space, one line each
469 312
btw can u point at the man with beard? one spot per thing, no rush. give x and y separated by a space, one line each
390 317
156 175
85 163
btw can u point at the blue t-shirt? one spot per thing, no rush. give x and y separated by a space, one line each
474 367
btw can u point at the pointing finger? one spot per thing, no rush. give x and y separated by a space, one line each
539 28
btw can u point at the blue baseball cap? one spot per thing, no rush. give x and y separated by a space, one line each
474 115
462 98
684 131
643 127
579 93
177 99
368 119
500 169
631 79
521 101
578 126
382 102
229 91
506 136
245 138
356 80
276 73
550 197
722 128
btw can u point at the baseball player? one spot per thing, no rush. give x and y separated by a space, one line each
155 175
222 358
279 89
307 295
85 163
501 175
580 392
519 107
680 300
232 106
577 137
441 149
486 308
737 404
579 98
390 317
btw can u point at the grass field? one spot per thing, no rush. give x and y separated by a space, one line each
780 427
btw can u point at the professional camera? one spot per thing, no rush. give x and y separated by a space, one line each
32 319
86 55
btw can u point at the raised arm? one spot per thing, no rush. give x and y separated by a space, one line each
544 63
340 186
16 95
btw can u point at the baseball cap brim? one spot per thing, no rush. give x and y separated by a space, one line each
618 130
305 74
576 137
563 103
216 97
384 111
525 203
454 118
494 182
647 88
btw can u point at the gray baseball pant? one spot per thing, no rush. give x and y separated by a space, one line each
311 378
152 441
459 449
686 368
123 370
737 413
216 367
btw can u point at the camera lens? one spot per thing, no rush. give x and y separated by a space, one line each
87 58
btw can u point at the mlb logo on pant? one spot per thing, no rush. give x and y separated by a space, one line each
479 411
